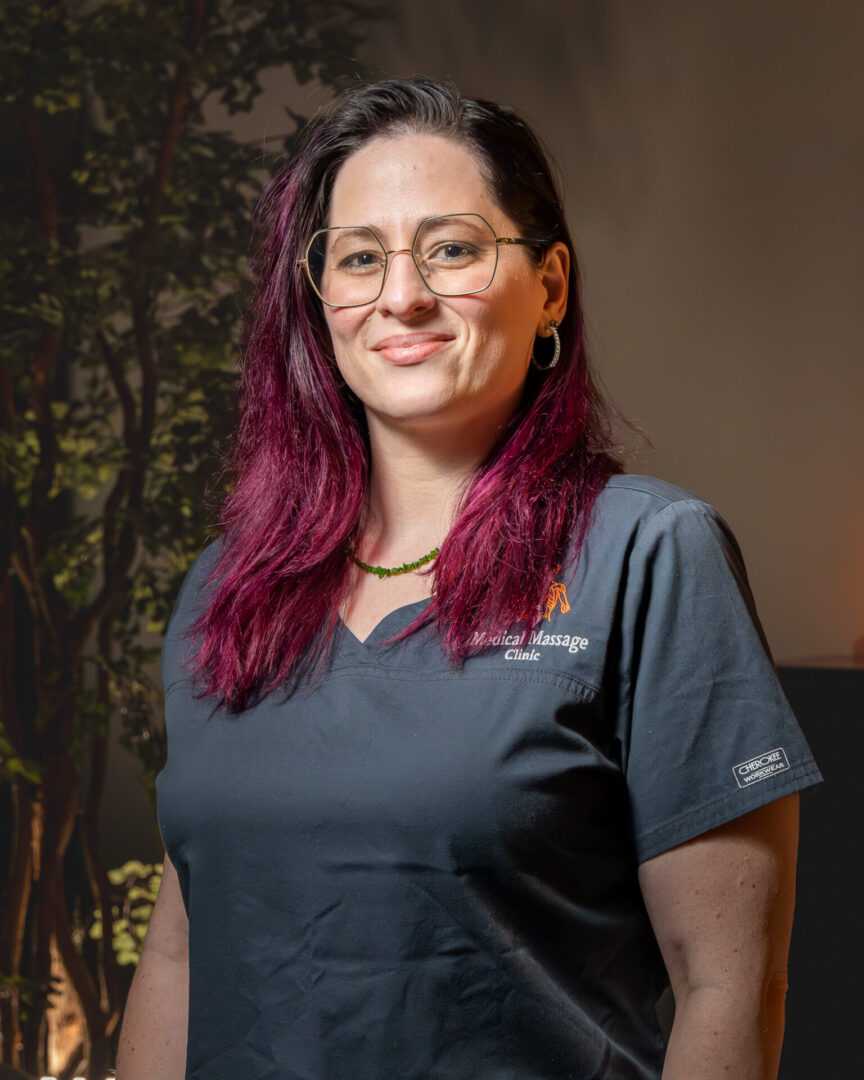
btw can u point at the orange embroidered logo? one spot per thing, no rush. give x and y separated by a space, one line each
556 596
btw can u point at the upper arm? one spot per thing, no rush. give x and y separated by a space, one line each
721 904
153 1036
168 932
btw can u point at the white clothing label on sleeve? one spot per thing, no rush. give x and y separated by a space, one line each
760 767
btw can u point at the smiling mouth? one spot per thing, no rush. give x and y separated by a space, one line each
410 348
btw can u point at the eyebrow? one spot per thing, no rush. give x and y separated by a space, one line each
380 232
347 229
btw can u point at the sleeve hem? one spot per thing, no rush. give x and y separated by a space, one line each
704 818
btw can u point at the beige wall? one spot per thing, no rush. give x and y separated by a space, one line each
714 169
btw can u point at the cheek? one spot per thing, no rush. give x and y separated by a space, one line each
345 338
510 330
342 324
520 302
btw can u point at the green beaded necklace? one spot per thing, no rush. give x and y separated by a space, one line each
391 571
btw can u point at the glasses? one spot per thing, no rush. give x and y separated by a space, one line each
456 255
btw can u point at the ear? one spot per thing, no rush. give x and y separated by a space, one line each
554 276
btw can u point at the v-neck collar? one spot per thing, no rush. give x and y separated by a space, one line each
385 628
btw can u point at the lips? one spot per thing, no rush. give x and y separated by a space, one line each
404 349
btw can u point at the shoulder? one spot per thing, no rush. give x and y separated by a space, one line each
193 590
646 536
190 604
637 509
630 496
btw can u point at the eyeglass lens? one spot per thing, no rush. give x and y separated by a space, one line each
456 254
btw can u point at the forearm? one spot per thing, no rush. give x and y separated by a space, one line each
723 1032
153 1036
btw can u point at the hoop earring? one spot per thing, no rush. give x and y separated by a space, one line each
553 326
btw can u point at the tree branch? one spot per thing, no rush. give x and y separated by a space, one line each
199 13
18 890
8 501
124 394
21 833
42 178
107 969
44 362
131 441
76 969
42 597
122 554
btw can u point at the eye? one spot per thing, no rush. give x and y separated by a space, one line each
451 251
361 260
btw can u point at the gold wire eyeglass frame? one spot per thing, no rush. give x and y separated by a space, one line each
304 262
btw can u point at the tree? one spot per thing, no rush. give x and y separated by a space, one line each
123 277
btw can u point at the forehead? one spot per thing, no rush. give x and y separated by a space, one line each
394 182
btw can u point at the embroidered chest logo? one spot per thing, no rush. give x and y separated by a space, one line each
557 595
527 644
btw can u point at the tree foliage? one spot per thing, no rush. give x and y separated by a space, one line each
122 266
136 887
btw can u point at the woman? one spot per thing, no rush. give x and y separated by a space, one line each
472 737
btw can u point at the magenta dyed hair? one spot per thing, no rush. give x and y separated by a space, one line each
300 457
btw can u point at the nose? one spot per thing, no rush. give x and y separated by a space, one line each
404 293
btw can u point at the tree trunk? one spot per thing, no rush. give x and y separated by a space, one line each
15 921
96 1042
107 970
59 802
24 833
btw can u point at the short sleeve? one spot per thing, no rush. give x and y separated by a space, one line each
708 734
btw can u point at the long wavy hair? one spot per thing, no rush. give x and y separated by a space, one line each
300 463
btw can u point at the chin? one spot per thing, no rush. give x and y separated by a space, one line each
420 406
417 415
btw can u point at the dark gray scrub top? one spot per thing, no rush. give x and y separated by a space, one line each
412 872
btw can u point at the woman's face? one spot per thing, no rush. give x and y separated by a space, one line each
416 358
